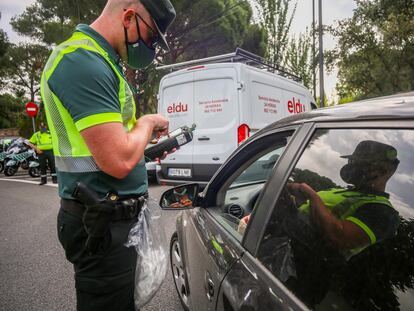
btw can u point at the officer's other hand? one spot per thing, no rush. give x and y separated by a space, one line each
165 155
38 151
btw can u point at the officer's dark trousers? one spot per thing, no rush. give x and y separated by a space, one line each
44 158
104 282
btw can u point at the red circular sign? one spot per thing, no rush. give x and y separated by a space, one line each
32 109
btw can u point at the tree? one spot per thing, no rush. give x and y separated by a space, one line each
11 110
53 21
375 50
204 28
299 59
275 19
24 66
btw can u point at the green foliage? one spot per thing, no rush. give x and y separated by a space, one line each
23 67
274 18
4 45
52 21
202 28
11 109
345 100
375 50
317 181
299 58
205 28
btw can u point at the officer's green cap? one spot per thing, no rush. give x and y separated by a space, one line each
373 151
163 14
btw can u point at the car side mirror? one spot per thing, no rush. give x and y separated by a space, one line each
180 197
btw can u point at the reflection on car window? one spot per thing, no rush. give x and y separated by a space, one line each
240 196
342 234
259 171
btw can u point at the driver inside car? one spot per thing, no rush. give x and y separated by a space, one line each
353 218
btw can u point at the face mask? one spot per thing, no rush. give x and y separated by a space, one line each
43 130
139 54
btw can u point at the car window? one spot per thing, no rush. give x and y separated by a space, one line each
341 236
237 198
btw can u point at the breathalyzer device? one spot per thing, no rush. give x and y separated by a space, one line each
174 139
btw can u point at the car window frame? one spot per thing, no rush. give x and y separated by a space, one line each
274 186
233 164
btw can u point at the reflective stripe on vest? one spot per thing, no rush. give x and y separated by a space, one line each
71 152
343 203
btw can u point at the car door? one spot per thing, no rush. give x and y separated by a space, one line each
211 240
293 260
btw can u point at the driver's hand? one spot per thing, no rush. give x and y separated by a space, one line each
243 224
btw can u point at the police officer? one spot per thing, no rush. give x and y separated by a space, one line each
353 218
91 114
41 141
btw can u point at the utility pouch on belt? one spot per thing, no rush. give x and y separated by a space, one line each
97 216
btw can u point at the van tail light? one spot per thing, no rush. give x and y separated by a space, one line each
243 132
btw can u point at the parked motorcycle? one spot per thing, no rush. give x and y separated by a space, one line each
21 155
4 144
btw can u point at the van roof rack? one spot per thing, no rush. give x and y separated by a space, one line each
239 56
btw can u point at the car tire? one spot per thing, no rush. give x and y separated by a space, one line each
178 272
1 167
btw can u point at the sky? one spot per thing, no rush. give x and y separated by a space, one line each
332 11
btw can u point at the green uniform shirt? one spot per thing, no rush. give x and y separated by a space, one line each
43 141
88 88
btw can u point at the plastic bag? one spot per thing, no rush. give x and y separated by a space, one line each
148 238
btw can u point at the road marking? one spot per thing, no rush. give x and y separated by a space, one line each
28 182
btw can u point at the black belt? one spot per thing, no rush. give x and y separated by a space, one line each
124 208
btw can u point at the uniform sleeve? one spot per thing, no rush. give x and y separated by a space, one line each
88 88
379 221
33 139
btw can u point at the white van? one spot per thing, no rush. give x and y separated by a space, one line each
228 102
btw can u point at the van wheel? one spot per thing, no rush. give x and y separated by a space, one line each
1 167
178 271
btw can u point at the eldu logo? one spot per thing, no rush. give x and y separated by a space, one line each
295 107
174 108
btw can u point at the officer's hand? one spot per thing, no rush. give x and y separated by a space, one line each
158 123
165 155
38 151
161 124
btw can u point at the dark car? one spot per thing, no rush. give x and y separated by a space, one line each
313 212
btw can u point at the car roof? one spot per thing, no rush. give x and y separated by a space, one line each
398 106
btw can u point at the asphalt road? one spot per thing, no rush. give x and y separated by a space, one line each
33 270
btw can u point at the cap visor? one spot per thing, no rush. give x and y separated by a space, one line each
161 38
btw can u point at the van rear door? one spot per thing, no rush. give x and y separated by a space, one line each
177 103
216 114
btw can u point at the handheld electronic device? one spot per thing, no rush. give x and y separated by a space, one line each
174 139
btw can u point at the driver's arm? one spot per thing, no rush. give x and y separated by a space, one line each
342 234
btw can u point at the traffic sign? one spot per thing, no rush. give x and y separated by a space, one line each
32 109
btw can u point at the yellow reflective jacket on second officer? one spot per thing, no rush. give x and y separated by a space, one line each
43 141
